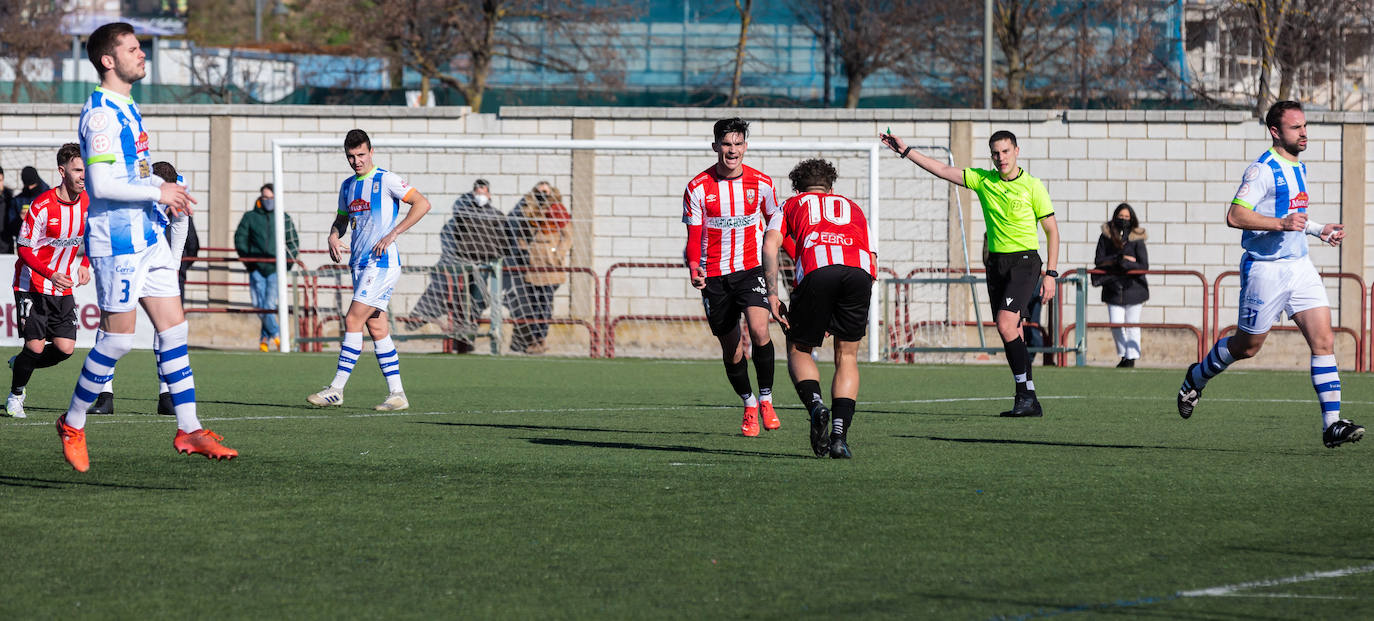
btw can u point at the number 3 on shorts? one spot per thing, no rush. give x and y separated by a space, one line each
124 298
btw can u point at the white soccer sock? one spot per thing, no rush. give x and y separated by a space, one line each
766 394
749 400
390 362
1326 380
161 382
95 372
109 386
349 350
174 365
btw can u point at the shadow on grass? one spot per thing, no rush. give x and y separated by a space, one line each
697 450
54 484
558 428
1072 444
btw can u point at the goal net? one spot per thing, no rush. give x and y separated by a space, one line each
595 270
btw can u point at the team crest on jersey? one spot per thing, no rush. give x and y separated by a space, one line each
749 196
141 144
376 186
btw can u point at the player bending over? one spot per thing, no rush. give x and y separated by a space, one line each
835 272
370 201
49 265
1277 275
725 209
131 261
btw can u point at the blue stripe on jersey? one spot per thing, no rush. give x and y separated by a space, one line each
1302 180
1280 188
383 260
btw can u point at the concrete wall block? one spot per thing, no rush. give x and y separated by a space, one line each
1126 169
1104 149
1089 169
1141 149
1166 130
1206 130
1086 130
1226 151
1128 130
1166 170
1103 190
1184 191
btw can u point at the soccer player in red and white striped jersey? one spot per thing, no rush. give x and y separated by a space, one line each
835 273
725 209
50 264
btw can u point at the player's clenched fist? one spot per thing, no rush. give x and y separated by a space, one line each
1295 221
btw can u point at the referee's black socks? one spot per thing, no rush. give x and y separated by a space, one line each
1019 361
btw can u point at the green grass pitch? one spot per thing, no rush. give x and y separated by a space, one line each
522 488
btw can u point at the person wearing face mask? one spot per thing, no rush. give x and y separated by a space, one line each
256 238
539 238
459 288
1120 249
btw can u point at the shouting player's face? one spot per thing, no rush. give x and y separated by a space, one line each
73 176
360 158
1291 134
1004 157
129 60
730 153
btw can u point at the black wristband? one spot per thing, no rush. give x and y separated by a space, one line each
1052 273
905 151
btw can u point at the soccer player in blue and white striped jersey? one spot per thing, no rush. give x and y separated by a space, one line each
1276 274
370 201
131 261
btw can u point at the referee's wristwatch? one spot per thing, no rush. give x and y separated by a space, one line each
1052 273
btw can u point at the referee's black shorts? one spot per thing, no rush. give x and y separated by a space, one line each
831 299
726 296
45 317
1013 280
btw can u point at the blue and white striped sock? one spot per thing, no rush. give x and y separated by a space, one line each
1327 382
174 366
390 362
1216 361
161 382
349 350
95 372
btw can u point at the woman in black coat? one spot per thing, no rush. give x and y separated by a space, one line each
1121 248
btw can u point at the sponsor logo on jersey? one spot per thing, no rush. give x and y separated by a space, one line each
65 242
54 221
1298 202
141 144
834 239
1252 172
124 269
100 119
733 222
710 198
358 205
101 144
1280 181
144 169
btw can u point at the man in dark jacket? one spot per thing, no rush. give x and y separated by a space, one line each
256 238
458 290
14 214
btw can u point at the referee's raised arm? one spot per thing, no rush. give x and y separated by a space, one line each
933 166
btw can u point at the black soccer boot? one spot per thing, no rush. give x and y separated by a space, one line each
1026 406
104 404
839 448
1340 432
1187 394
820 431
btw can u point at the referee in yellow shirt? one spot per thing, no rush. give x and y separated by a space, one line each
1013 201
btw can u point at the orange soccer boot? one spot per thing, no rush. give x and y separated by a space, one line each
770 418
750 425
202 442
73 444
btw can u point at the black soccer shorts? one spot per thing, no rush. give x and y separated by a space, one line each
45 317
831 299
1013 280
725 298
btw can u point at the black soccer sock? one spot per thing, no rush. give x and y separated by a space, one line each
809 391
1019 361
738 374
51 356
24 364
763 366
842 416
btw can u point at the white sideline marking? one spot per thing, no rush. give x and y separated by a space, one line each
1230 589
1286 596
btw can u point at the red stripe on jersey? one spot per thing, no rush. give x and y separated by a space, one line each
733 214
50 243
828 229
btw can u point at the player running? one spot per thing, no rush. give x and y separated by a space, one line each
835 272
1277 275
131 261
49 265
725 209
370 201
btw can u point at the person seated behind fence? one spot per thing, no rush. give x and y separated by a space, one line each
1120 248
539 239
256 238
471 240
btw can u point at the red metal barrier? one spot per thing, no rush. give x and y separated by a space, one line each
608 324
1201 345
1361 338
593 326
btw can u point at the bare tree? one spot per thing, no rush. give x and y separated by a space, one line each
867 35
30 30
745 8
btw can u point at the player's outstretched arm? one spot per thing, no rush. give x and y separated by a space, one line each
931 165
419 206
1242 217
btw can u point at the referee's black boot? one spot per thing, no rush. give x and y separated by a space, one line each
1026 406
104 404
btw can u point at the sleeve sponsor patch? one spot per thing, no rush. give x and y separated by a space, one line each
100 120
101 144
1252 172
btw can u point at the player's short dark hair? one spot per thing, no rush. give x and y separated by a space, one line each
356 137
1274 117
103 42
731 126
166 171
811 173
65 153
266 186
1000 135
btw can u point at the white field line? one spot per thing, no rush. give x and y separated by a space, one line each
1231 589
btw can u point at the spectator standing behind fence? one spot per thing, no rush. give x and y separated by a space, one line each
470 241
256 238
1121 248
539 238
14 214
6 203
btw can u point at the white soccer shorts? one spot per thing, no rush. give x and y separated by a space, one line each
122 279
373 285
1270 288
